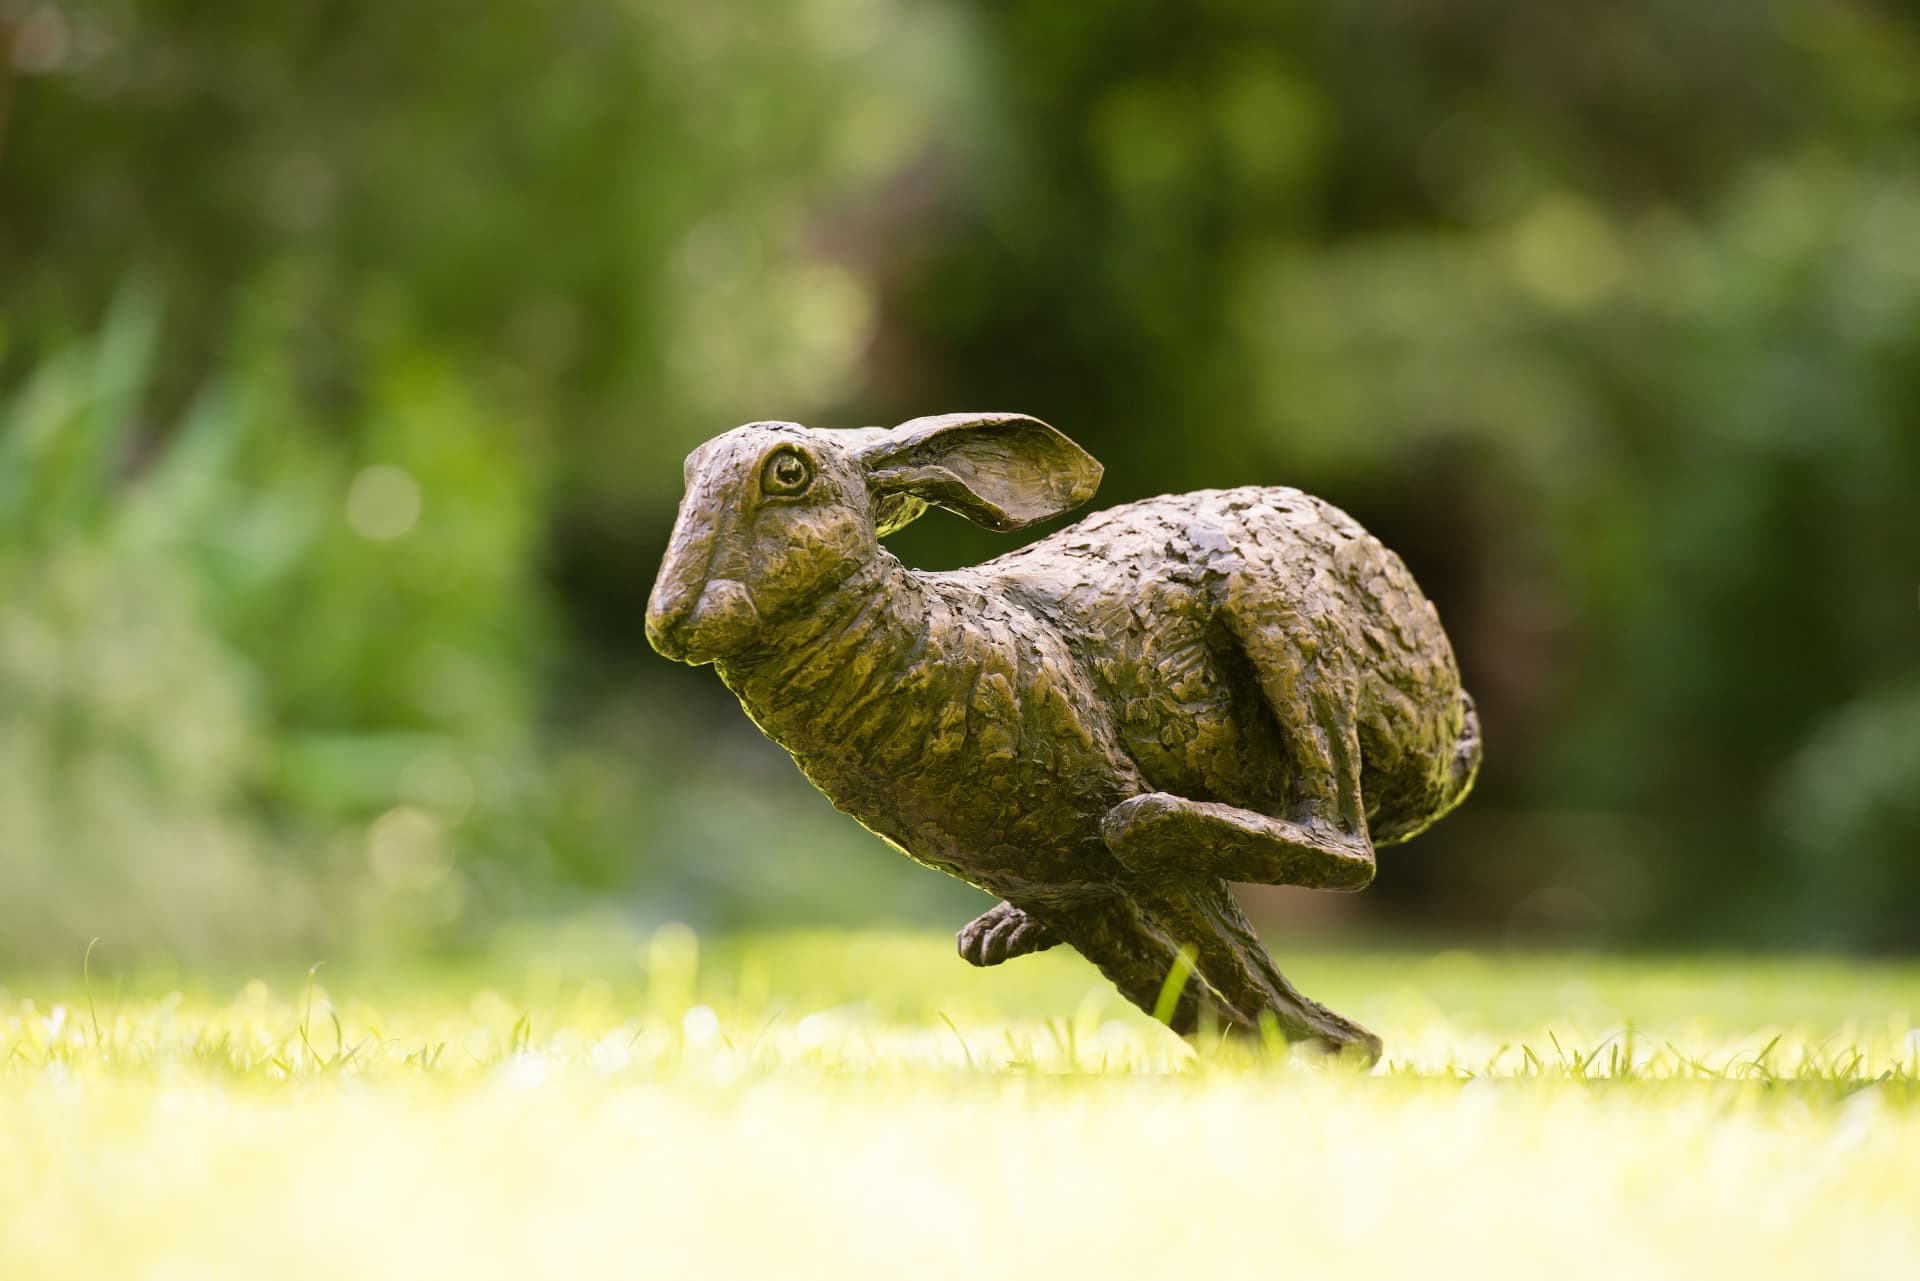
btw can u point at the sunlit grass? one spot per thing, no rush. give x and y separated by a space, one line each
866 1105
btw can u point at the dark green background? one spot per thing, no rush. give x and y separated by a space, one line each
1605 315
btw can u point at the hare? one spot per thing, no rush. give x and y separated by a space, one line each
1102 728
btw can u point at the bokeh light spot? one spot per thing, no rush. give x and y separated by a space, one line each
701 1025
383 503
1565 254
406 848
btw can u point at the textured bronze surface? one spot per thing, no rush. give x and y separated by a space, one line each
1103 728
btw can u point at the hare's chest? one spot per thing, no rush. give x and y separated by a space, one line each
1015 773
1039 738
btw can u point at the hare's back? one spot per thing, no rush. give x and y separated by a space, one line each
1159 569
1139 592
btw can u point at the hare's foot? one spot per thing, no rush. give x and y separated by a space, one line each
1203 915
1002 933
1160 835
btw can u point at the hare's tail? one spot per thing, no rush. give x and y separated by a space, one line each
1466 752
1446 790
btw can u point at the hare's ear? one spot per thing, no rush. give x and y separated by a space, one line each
1004 471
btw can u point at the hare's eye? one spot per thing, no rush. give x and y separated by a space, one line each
787 472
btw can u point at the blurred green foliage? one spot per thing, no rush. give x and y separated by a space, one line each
350 351
223 645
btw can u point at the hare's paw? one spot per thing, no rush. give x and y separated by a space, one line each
1151 833
1002 933
1161 835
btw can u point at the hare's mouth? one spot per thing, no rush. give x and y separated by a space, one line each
722 620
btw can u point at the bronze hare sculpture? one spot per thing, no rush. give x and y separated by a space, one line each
1103 728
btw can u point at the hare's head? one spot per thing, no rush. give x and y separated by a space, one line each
776 515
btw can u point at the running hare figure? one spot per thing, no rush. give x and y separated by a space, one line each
1103 728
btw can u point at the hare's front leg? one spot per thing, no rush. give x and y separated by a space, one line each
1165 836
1001 933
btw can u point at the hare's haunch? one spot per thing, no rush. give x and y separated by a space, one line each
1103 728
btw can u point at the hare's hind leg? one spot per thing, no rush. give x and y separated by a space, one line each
1320 840
1137 957
1001 933
1234 963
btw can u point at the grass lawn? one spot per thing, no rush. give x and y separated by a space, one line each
866 1105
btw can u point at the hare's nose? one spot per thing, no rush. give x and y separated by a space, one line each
669 605
699 628
667 612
